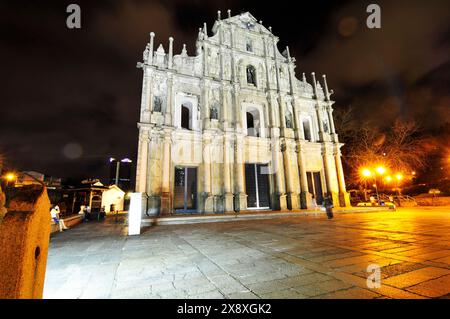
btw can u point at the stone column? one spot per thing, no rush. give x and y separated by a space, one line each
233 59
291 71
141 165
328 172
166 195
228 196
146 97
153 178
170 62
207 194
240 197
276 62
169 103
305 195
291 193
206 105
280 201
282 103
344 197
331 121
296 119
318 113
237 109
150 54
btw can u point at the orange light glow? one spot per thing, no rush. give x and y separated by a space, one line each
366 172
10 177
381 170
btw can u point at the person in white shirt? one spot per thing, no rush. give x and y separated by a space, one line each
82 212
55 216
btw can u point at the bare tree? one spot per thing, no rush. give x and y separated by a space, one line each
401 148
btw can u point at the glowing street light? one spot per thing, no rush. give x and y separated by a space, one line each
388 179
381 170
399 176
366 172
10 177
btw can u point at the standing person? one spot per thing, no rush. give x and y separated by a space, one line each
82 212
313 202
328 203
55 216
88 213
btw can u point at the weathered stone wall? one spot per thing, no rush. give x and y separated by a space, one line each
24 239
2 204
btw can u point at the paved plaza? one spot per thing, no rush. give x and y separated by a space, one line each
291 257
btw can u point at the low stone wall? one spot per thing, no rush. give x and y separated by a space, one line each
69 221
433 201
24 239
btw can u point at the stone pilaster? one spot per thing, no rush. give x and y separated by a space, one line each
328 167
208 198
240 197
291 193
227 168
166 195
279 198
305 195
142 160
344 197
170 102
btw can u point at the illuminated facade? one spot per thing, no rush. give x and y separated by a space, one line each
232 128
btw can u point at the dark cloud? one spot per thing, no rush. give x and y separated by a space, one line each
77 92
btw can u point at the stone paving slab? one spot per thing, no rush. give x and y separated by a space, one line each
301 257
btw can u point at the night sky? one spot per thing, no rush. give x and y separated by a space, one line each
70 99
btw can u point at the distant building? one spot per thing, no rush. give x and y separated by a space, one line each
113 199
120 173
25 178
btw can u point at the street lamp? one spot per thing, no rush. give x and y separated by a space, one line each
399 178
10 177
381 170
366 173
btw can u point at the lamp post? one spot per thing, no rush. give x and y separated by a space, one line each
399 178
380 170
366 173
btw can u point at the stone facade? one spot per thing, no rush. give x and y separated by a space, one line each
232 128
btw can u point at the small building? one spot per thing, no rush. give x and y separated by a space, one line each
113 196
89 194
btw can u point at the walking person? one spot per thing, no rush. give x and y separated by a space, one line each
328 203
55 216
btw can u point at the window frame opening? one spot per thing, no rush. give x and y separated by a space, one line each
251 75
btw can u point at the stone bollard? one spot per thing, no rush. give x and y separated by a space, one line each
24 239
